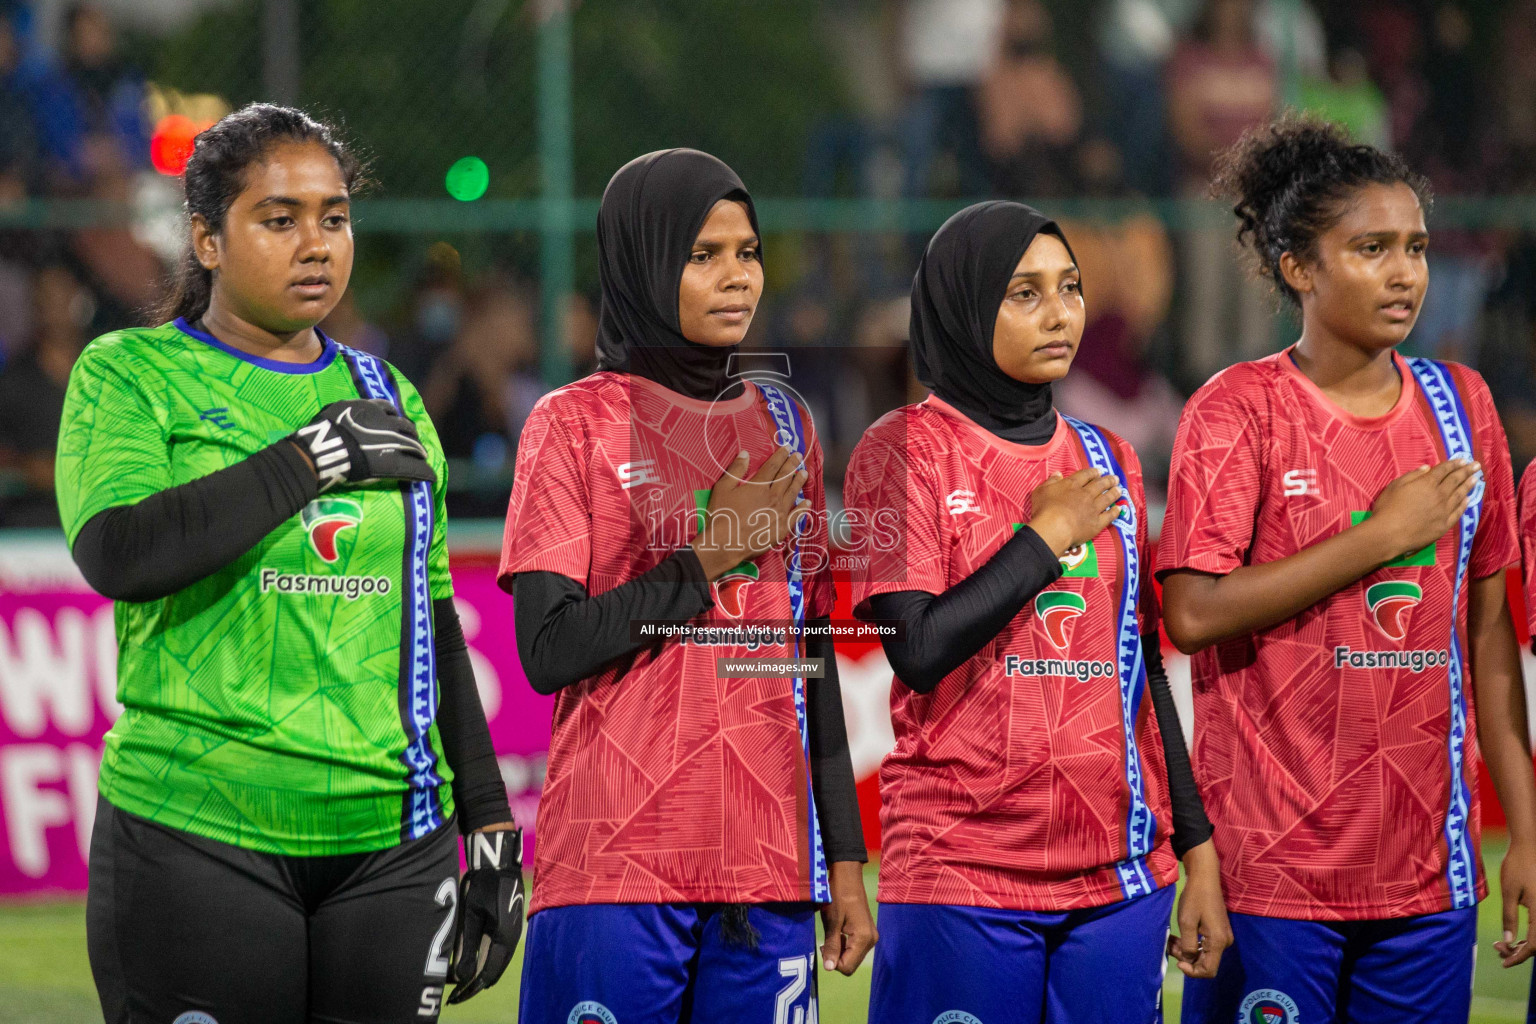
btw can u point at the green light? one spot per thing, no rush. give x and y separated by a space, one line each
468 179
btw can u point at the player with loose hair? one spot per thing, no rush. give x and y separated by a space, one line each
1039 798
275 836
1339 523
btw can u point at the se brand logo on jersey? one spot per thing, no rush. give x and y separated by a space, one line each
1299 482
961 501
1269 1006
1389 602
633 474
1057 610
324 518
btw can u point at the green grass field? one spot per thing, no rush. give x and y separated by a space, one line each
45 978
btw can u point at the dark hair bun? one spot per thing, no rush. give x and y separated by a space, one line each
1289 180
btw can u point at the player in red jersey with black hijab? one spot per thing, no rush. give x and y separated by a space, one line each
691 821
1339 522
1039 796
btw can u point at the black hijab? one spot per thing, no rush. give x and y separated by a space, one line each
960 283
652 211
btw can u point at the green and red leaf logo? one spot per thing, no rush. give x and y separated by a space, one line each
731 589
324 518
1389 602
1269 1013
1057 610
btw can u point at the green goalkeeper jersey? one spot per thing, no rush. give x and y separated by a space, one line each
286 703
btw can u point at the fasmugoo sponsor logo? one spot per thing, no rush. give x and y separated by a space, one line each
349 587
751 637
1413 661
1081 669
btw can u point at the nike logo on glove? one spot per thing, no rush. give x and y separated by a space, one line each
393 440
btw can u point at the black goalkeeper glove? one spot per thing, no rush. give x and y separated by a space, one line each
490 915
362 440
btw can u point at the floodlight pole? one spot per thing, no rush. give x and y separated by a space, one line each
557 277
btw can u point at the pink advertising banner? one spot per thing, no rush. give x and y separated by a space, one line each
58 682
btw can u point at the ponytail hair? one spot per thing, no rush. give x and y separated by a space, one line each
216 174
1290 180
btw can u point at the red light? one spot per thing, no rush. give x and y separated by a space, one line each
170 147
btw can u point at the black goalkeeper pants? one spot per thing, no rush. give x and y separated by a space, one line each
186 930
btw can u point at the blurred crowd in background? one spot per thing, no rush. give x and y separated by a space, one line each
1104 112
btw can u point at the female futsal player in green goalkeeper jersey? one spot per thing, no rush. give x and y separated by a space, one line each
274 841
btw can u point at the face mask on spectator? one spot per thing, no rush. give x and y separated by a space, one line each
437 319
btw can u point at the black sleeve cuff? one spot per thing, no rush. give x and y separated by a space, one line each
479 794
565 635
1050 566
945 630
832 782
1191 826
290 472
170 540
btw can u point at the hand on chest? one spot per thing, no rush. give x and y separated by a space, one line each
1078 615
1320 485
984 504
658 484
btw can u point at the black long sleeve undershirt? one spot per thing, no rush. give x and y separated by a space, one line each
1191 827
175 537
565 635
478 791
944 630
832 782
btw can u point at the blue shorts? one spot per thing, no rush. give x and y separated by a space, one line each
1280 971
941 964
665 963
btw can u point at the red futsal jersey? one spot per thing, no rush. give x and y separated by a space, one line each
1528 543
665 783
1010 782
1336 751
